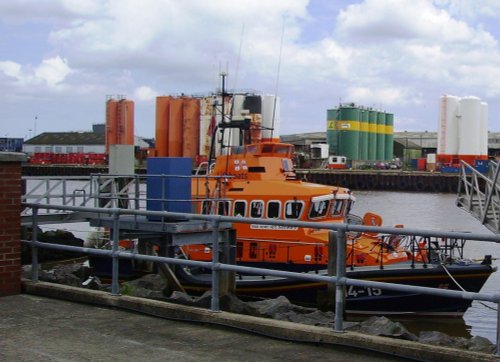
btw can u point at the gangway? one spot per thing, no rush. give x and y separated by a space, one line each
86 191
479 194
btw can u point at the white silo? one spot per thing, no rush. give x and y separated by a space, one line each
449 107
205 118
270 117
469 126
234 133
483 134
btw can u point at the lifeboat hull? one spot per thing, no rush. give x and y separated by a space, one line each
362 300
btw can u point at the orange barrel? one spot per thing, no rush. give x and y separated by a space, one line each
162 121
175 128
191 126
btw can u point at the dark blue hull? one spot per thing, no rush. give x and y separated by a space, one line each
365 300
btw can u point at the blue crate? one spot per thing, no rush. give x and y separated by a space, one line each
174 189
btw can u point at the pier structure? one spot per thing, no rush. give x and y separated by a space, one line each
479 194
384 180
127 222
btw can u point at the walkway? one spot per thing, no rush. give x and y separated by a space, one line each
34 328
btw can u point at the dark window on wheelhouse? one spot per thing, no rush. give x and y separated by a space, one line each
239 250
337 207
318 209
273 209
240 208
207 207
254 251
348 207
223 208
293 209
256 209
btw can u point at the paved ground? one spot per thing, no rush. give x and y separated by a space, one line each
34 328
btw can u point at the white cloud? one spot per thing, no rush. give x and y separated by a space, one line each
145 93
416 20
11 69
392 54
467 9
381 96
53 70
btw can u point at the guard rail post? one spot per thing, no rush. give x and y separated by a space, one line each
332 268
497 351
340 285
215 266
115 284
34 245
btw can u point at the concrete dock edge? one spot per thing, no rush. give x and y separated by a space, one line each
268 327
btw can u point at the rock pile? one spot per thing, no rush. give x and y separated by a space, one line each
153 286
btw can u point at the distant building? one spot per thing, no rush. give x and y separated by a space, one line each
420 143
11 144
75 142
65 142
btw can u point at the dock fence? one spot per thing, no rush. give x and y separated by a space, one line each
339 231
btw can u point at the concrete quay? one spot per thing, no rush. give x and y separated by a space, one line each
45 323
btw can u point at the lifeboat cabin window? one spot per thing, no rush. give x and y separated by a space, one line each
283 149
293 209
348 207
251 149
318 209
256 208
207 207
337 208
287 165
223 208
237 150
273 209
267 148
240 208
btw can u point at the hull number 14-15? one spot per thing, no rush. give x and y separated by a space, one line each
355 292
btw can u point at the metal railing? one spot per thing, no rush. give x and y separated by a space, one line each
339 229
479 194
110 191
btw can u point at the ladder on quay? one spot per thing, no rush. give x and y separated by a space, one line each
479 194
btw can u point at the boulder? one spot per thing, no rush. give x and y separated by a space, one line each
271 307
437 338
480 344
149 286
382 326
60 237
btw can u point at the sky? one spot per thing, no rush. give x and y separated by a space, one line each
60 59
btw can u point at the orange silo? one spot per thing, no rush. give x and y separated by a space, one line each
128 122
162 123
191 127
175 127
111 126
125 122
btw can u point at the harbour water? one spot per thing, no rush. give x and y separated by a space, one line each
438 211
427 211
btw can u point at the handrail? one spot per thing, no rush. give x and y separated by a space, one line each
479 194
339 229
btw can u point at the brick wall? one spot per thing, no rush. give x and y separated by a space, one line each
10 222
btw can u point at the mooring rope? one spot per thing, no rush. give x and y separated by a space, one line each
463 290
